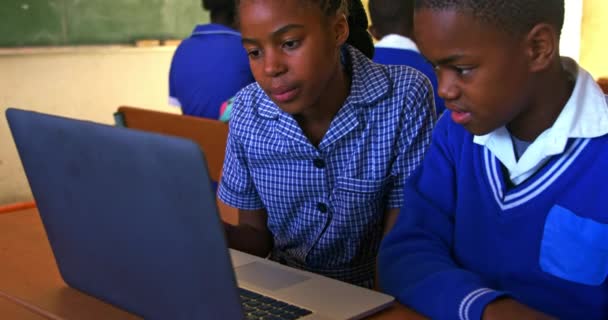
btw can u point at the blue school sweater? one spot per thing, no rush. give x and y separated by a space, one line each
465 236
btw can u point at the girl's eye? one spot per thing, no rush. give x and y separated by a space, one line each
253 53
291 44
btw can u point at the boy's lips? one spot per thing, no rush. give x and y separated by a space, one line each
459 116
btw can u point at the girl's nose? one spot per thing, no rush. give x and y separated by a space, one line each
273 63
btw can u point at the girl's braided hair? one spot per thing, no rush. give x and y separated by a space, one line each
357 21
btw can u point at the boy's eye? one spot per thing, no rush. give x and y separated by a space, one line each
459 71
463 71
291 44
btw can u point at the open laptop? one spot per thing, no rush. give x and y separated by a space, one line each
132 220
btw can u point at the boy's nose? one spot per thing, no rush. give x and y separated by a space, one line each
446 87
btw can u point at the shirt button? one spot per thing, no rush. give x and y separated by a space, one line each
322 207
319 163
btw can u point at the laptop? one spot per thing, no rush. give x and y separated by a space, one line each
132 220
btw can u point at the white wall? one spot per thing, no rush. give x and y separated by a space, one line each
84 82
570 44
594 45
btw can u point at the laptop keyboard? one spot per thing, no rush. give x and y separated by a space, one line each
257 306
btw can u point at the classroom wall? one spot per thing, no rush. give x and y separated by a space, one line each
570 44
84 82
594 35
91 82
584 34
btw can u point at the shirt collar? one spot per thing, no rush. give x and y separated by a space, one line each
395 41
585 115
586 112
362 94
213 28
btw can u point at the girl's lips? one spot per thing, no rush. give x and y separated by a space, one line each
285 95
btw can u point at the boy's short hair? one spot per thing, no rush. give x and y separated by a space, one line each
219 5
389 16
513 16
217 8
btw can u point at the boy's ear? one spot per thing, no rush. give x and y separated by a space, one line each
542 43
341 29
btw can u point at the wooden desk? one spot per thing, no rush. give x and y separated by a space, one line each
28 272
29 276
12 310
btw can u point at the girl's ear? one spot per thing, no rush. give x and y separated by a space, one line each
341 29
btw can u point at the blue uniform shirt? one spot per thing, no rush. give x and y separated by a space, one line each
207 69
396 49
326 204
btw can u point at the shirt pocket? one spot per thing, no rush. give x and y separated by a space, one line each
359 205
574 248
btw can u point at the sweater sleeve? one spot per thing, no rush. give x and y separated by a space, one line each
415 261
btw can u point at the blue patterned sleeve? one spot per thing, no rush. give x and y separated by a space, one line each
419 118
236 187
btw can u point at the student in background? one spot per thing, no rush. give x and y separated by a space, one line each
320 147
211 65
392 25
507 217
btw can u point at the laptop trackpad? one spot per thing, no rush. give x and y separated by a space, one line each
267 276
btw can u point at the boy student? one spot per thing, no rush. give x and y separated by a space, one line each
507 217
393 27
321 145
210 66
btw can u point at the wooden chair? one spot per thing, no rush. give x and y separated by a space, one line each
12 207
210 135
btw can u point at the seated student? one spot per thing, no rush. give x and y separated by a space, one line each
507 217
210 66
392 25
320 147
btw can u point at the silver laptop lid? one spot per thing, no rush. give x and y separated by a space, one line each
130 216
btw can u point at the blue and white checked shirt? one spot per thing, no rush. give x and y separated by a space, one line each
326 204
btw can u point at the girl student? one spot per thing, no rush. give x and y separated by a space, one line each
320 146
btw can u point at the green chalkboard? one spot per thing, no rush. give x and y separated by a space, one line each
75 22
